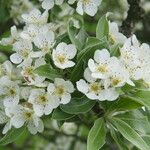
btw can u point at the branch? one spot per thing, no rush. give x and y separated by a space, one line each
135 14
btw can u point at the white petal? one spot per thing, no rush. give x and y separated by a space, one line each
50 88
48 4
65 98
69 86
79 8
91 65
101 56
17 121
15 58
82 86
39 110
70 51
87 75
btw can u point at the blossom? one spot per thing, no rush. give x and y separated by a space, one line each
21 114
32 78
62 55
6 69
12 39
45 42
35 17
23 53
100 65
43 102
48 4
9 90
115 35
94 89
88 6
61 89
135 57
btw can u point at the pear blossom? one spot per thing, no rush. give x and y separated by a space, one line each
43 102
6 69
35 17
100 65
21 114
32 78
49 4
63 54
135 57
95 89
12 39
23 53
61 89
9 91
90 7
115 35
44 41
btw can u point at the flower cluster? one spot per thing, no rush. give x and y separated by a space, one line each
27 96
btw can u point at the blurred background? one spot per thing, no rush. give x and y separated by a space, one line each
133 16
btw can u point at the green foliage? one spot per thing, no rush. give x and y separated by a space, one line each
78 105
97 134
47 71
12 135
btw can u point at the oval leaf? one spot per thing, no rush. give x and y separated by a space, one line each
47 71
12 135
58 114
130 134
97 135
102 29
78 105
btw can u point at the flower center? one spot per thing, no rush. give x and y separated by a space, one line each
42 99
115 81
102 69
112 38
28 71
61 58
12 92
95 87
59 91
86 1
27 115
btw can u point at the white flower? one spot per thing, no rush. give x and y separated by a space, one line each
35 17
88 6
100 65
23 50
9 91
118 75
61 89
94 89
62 55
45 42
43 102
115 35
30 32
32 78
48 4
135 57
12 39
6 69
21 114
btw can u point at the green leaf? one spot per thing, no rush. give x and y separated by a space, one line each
97 135
77 37
83 58
47 71
117 138
78 105
58 114
102 29
12 135
123 103
142 97
136 120
3 117
129 133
